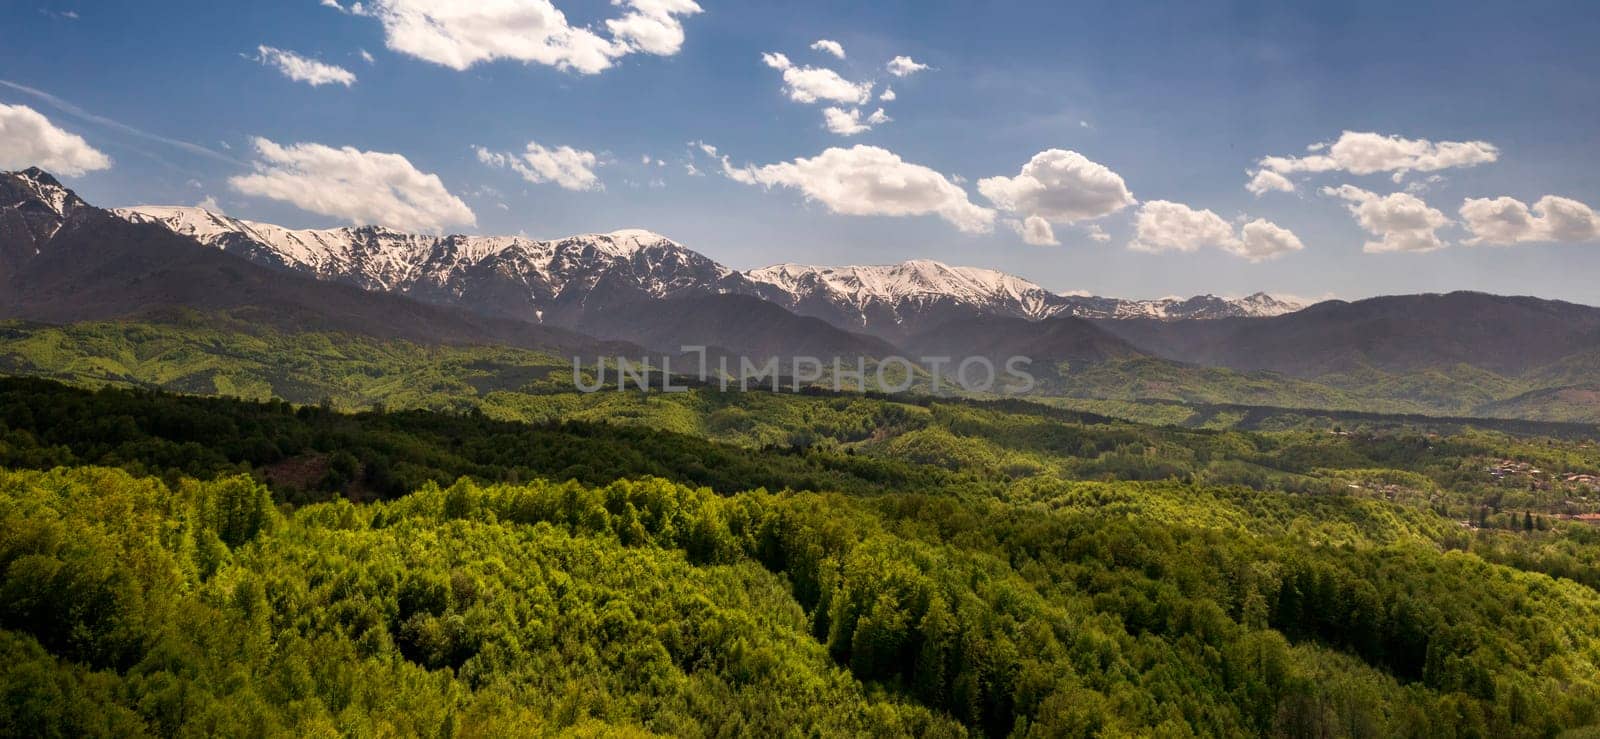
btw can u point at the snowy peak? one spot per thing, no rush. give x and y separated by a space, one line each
1262 305
37 186
381 255
511 276
34 207
1200 307
988 291
629 241
915 280
196 222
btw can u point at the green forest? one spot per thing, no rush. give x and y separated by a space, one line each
487 555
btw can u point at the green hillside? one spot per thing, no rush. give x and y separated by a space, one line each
491 555
212 354
974 576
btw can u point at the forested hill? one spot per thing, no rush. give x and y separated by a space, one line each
938 569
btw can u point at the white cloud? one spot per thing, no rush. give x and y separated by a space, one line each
1364 153
1060 186
572 169
888 95
28 139
1401 221
209 203
1267 181
1263 239
1096 233
843 122
358 186
459 35
1035 231
302 69
366 56
904 66
1167 226
849 122
830 47
868 181
1503 221
652 26
810 84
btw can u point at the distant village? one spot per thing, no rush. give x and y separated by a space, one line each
1579 484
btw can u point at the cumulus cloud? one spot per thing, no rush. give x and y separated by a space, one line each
904 66
830 47
1364 153
888 95
28 139
1401 221
849 122
652 26
1266 181
810 84
572 169
1035 231
1503 221
459 35
867 181
357 186
1059 186
1167 226
302 69
1262 239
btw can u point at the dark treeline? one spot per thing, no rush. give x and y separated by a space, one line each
387 454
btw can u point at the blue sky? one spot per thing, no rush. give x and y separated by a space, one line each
1180 101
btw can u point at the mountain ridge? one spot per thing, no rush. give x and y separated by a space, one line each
553 280
63 260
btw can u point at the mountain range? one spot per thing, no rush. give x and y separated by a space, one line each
563 281
63 260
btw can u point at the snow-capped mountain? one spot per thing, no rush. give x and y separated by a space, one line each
901 300
33 208
507 276
1200 307
563 280
896 301
63 260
